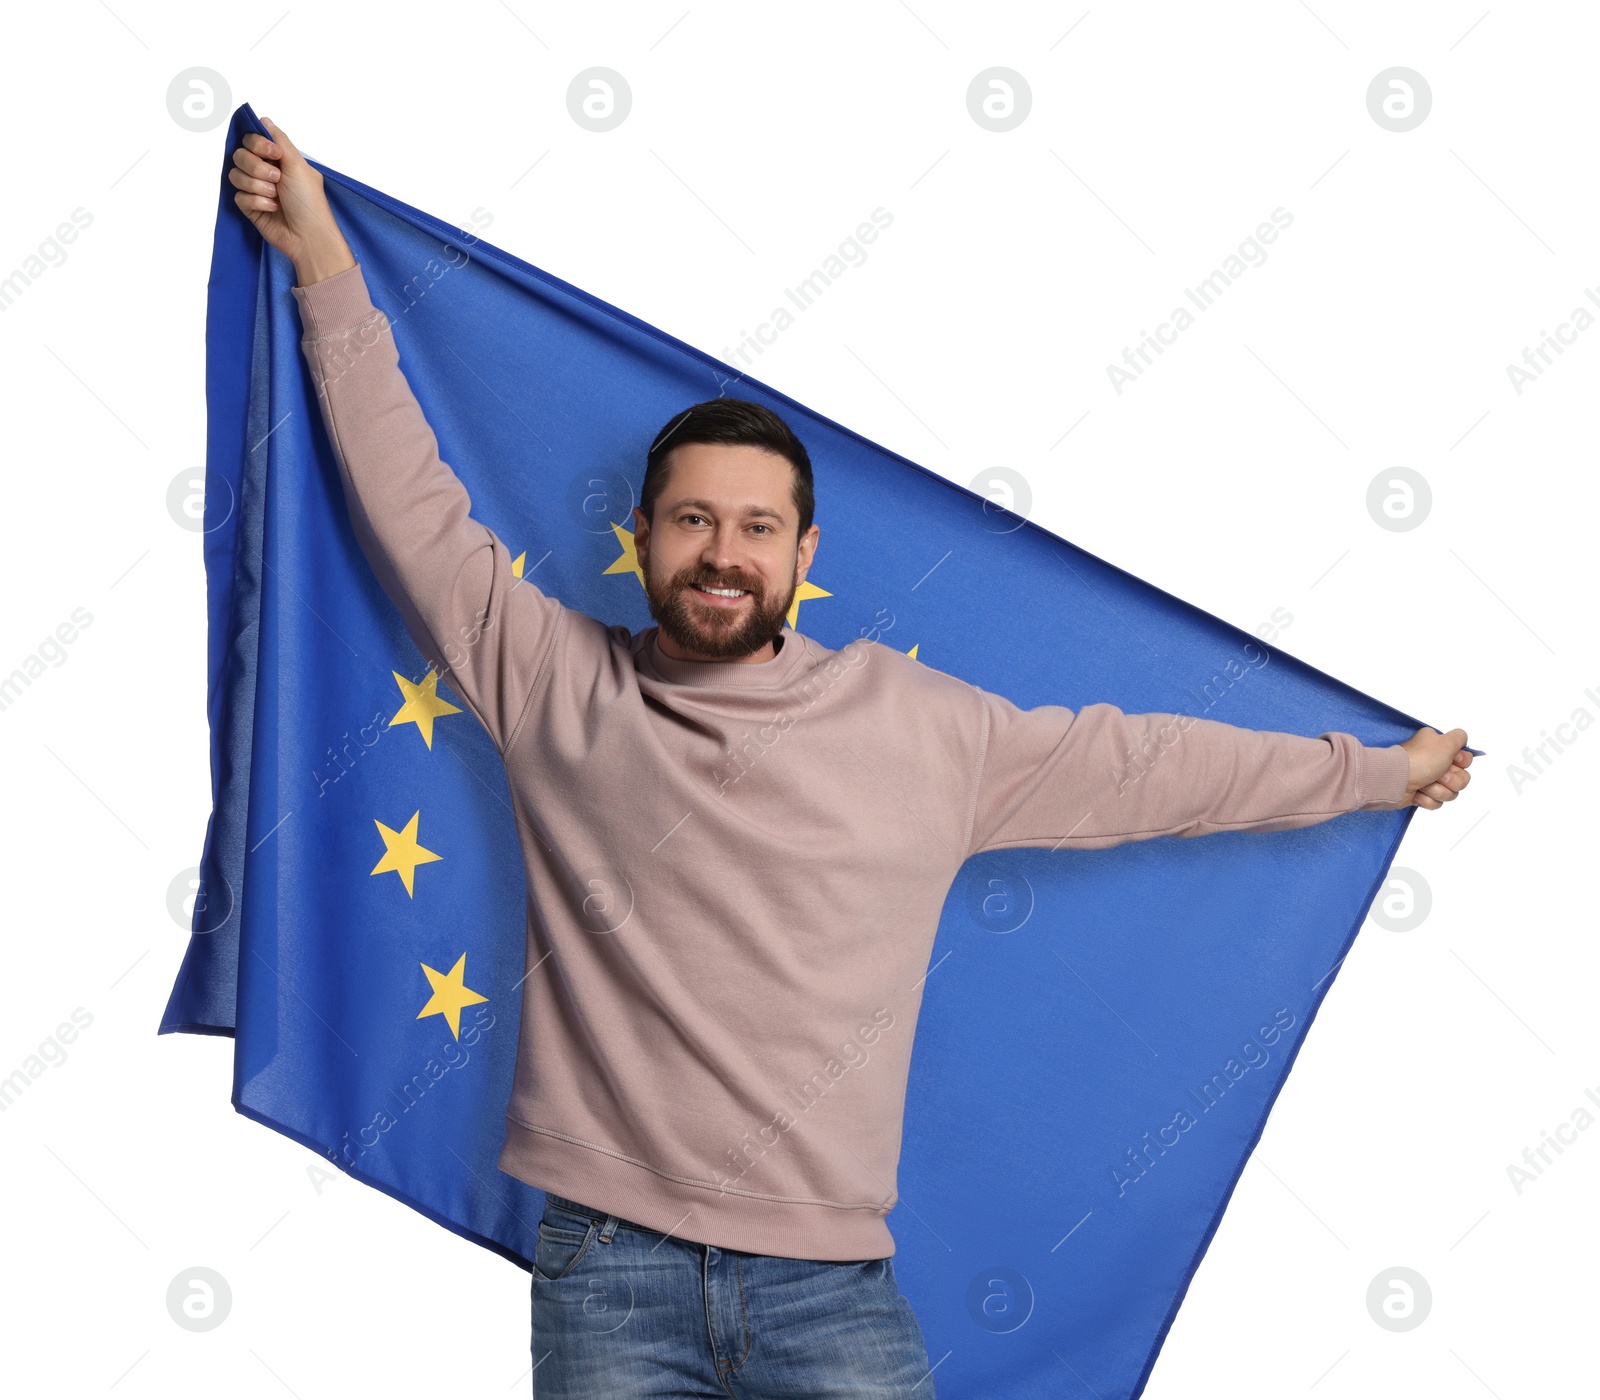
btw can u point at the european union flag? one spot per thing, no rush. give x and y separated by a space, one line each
1108 1029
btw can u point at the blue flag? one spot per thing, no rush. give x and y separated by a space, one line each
1103 1031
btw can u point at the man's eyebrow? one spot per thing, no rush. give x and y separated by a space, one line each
750 509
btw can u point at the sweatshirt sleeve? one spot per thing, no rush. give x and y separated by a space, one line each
485 630
1098 777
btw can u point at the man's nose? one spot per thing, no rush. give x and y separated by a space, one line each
722 549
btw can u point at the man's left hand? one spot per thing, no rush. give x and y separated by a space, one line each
1438 767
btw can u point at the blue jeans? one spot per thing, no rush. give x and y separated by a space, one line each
628 1313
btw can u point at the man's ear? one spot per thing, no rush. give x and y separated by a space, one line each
805 553
641 530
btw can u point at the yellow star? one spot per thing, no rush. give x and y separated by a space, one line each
802 594
629 562
913 652
450 994
404 854
516 564
422 705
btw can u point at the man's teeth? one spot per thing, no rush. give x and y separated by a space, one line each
722 592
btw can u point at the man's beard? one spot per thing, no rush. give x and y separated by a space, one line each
702 627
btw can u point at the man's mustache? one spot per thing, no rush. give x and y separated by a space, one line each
732 581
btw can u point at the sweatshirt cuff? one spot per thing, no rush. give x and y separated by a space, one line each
1387 773
337 303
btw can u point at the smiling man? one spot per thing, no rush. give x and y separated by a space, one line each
736 535
723 978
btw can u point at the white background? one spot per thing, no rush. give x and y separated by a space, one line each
1233 473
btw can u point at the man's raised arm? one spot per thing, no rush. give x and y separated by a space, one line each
1098 777
447 573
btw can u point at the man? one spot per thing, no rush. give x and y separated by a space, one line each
737 844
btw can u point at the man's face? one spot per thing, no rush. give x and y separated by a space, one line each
725 520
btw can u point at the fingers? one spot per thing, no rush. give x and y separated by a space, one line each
261 146
1447 788
255 166
279 136
255 176
240 181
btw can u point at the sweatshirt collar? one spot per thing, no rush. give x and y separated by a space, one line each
721 674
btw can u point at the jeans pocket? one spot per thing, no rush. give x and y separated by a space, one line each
558 1249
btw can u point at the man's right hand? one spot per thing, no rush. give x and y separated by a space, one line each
281 193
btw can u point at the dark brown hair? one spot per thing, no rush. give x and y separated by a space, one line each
736 421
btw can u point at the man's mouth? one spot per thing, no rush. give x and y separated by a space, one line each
719 596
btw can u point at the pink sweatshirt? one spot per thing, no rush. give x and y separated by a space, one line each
736 869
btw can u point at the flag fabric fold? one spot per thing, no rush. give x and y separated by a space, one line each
1103 1032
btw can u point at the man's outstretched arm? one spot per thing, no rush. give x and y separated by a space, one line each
448 574
1098 777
